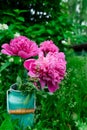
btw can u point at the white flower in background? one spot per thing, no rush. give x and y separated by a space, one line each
84 23
16 34
78 8
63 42
72 32
65 0
68 42
11 60
3 26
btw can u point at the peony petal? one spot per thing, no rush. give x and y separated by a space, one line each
28 63
48 46
5 46
6 49
5 52
23 54
52 88
31 74
21 46
43 83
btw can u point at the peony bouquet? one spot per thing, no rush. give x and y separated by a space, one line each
45 64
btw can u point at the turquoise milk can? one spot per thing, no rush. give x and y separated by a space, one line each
21 106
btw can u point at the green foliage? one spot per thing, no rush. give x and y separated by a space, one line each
43 23
77 10
66 109
60 108
77 35
7 124
54 29
4 66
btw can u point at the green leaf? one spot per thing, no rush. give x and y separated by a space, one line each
6 124
19 82
17 60
50 32
4 66
8 13
1 36
27 99
21 19
19 11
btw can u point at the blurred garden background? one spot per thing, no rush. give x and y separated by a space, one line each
64 22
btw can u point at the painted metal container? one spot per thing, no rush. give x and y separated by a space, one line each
21 106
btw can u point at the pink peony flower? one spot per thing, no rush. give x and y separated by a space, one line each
48 46
20 46
50 69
